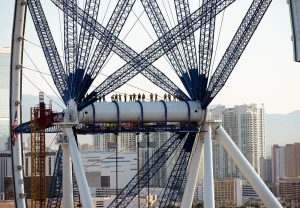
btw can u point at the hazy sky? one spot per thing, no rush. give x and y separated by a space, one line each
266 73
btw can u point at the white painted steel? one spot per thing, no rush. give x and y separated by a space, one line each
193 173
153 112
295 20
84 191
67 178
248 171
208 191
15 99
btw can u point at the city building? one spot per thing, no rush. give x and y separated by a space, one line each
4 94
228 192
288 189
266 169
107 142
127 142
278 162
246 126
100 169
50 162
285 161
5 168
292 160
248 192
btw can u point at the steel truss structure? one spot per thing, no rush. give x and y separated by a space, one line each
74 74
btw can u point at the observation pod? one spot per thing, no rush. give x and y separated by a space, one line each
189 111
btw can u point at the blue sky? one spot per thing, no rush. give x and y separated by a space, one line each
265 74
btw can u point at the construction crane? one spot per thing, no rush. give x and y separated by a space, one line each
40 118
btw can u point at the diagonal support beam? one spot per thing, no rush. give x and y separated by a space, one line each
206 43
86 37
154 51
70 43
49 48
152 166
189 45
178 173
194 168
124 51
55 193
105 44
248 171
161 28
236 48
84 190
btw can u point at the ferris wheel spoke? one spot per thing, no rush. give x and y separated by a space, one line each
86 36
122 50
153 52
70 44
148 170
106 42
161 28
236 48
49 48
189 46
206 43
178 174
162 81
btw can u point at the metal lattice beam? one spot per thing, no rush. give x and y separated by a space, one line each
55 193
125 52
70 44
143 177
49 47
105 44
178 173
154 51
236 48
206 44
189 46
86 36
161 28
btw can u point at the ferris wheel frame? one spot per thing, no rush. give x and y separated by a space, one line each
204 126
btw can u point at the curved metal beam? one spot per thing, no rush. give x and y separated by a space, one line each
15 101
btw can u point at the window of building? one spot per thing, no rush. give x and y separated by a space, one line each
105 181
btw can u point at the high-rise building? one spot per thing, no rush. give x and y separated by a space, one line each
228 192
4 94
266 169
107 142
285 161
278 162
246 126
288 189
292 160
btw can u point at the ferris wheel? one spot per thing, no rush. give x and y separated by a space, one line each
186 42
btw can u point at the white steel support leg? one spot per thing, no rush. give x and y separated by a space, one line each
208 191
15 100
190 186
67 178
84 191
248 171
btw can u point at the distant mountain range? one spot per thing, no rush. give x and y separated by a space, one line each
280 128
283 128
